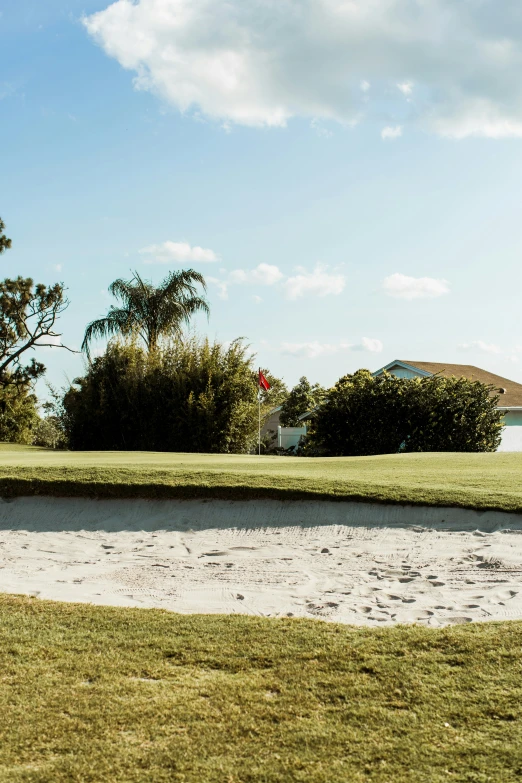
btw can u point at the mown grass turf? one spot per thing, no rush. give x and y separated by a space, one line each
126 695
469 480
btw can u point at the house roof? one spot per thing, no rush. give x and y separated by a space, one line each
511 398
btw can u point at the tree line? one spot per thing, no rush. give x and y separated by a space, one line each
157 386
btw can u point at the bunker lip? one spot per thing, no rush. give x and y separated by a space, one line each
357 563
91 487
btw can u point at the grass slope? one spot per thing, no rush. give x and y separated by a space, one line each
470 480
130 695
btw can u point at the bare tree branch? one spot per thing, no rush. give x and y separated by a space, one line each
28 314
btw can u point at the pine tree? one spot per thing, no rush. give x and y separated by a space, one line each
5 242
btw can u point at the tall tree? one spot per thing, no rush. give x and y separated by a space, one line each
5 243
28 315
302 398
149 311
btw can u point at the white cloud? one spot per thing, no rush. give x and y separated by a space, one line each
406 88
371 344
221 286
57 267
479 345
177 253
319 283
391 132
263 274
404 287
478 117
49 342
314 349
261 63
310 350
257 299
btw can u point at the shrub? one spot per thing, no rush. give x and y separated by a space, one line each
364 415
191 395
18 414
48 433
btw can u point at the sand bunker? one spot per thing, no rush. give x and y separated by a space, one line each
349 562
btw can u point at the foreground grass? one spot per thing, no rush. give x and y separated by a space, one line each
104 694
479 481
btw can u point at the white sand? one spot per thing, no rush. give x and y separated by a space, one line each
348 562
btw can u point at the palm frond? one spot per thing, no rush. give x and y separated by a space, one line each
151 311
117 321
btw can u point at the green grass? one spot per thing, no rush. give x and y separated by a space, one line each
470 480
127 695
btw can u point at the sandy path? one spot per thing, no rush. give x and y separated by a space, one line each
183 556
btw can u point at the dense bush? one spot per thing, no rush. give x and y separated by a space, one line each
364 415
48 433
191 395
18 414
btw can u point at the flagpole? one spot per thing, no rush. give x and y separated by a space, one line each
259 406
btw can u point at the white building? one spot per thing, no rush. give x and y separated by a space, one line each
510 392
287 437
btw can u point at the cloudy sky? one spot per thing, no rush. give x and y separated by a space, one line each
347 174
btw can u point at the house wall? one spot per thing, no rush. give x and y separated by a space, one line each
271 423
512 434
288 437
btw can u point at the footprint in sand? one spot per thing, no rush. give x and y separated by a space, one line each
506 595
241 549
321 609
423 614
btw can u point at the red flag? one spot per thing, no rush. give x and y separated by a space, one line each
263 383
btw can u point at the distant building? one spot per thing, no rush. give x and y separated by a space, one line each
510 392
271 423
286 437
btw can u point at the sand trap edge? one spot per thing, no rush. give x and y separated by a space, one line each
54 513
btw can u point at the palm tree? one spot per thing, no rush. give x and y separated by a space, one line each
149 311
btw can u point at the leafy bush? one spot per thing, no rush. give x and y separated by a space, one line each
48 433
18 414
190 395
364 415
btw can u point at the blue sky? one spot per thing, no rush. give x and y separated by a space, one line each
347 175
